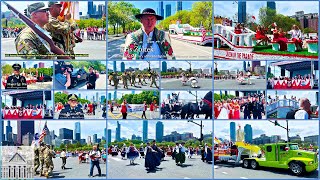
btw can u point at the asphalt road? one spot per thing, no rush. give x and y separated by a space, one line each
182 50
229 171
173 83
192 168
234 84
131 115
136 87
95 49
75 170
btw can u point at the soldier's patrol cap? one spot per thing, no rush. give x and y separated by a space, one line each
54 3
36 7
91 67
72 97
16 67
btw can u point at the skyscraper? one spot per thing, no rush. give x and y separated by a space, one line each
248 133
41 65
122 66
233 131
271 5
94 10
242 11
105 134
90 8
109 136
179 5
89 140
95 139
244 66
159 131
28 127
77 131
160 9
118 130
65 133
47 139
24 65
114 66
164 66
168 10
145 131
100 9
8 132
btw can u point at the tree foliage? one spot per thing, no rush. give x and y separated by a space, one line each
224 97
148 96
62 97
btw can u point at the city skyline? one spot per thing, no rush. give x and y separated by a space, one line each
120 93
128 128
185 65
222 128
311 95
88 128
287 8
133 64
183 95
234 65
29 64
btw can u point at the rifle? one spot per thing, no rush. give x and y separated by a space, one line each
41 33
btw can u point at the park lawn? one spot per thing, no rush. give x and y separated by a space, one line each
268 49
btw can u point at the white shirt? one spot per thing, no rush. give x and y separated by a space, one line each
63 154
301 114
154 52
95 153
295 33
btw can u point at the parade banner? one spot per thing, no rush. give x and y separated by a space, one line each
135 107
294 84
24 114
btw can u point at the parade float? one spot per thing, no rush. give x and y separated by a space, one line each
187 33
244 46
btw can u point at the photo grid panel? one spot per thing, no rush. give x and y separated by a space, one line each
266 94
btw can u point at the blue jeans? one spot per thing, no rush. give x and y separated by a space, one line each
92 164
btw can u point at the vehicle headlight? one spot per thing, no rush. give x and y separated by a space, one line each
310 163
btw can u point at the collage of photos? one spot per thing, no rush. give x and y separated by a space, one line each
129 89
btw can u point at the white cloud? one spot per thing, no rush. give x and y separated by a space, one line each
311 95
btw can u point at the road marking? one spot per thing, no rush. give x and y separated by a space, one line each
216 167
243 178
116 159
224 173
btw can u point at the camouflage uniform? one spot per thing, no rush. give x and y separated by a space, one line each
153 79
115 80
36 159
48 155
133 79
124 80
41 157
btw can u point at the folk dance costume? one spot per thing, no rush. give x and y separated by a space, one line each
190 153
151 158
132 154
141 150
158 154
114 151
124 151
175 151
208 154
181 156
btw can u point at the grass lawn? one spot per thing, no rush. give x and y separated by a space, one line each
268 49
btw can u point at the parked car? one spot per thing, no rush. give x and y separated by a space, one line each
44 78
78 75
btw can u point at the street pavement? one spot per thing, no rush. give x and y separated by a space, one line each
116 114
182 50
75 170
234 84
229 171
95 49
136 87
98 115
173 83
192 168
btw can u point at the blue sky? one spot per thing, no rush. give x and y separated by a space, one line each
29 64
90 94
288 8
311 95
277 70
184 95
134 64
222 128
88 127
234 65
135 127
8 100
185 65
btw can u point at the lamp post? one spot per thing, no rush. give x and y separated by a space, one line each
201 126
195 95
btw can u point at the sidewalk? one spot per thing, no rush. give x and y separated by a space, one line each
115 37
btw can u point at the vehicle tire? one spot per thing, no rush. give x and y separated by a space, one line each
246 163
297 168
254 164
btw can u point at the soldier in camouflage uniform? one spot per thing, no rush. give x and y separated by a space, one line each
153 79
133 79
60 31
48 155
139 79
41 157
144 78
125 80
36 159
115 80
27 42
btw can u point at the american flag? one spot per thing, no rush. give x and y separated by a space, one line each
43 133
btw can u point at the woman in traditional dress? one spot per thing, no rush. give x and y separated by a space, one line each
236 107
132 153
181 155
141 150
114 151
296 36
224 113
150 159
123 151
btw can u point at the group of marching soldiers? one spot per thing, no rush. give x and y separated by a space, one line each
43 158
132 77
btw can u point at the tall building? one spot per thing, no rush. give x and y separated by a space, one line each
105 134
168 10
35 66
145 131
27 139
244 66
255 64
114 66
160 9
133 137
9 132
41 65
90 8
101 9
47 138
164 66
118 132
89 140
159 131
65 133
94 9
233 131
271 5
179 5
248 133
24 65
28 127
109 136
95 139
77 131
309 20
122 66
242 11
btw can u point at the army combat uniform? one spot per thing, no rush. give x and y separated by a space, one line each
153 80
125 80
36 159
48 155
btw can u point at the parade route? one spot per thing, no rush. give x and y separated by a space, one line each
234 84
174 83
192 168
136 115
74 170
136 87
95 49
229 171
182 50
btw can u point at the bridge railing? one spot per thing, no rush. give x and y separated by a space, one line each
283 103
244 39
